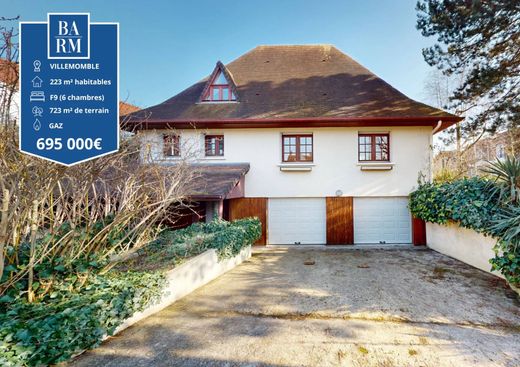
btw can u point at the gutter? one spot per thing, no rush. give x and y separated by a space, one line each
432 121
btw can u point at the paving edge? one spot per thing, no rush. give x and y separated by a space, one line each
186 278
182 280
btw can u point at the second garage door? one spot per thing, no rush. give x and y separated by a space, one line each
297 221
382 220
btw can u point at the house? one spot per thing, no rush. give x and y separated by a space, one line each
305 138
476 156
125 108
36 82
9 93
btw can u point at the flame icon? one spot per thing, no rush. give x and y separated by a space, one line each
37 125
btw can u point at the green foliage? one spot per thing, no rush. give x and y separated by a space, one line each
445 175
507 174
478 42
63 266
228 238
472 202
507 261
65 322
477 204
84 305
506 227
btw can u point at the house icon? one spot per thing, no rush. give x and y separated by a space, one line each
37 82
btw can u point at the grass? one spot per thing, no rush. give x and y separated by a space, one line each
412 352
341 355
438 272
362 349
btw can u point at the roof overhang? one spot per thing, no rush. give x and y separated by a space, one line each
433 121
218 181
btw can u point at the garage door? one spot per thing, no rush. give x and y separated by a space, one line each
382 220
297 221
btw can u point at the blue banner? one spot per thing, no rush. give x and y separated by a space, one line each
69 88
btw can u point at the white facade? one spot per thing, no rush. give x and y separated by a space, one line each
335 169
9 103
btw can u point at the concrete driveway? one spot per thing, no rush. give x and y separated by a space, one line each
350 308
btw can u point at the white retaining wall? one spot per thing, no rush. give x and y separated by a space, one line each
187 277
462 244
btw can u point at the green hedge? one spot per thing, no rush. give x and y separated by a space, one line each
472 202
52 330
477 204
66 322
228 238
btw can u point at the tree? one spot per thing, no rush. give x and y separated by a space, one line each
96 212
8 71
479 40
439 88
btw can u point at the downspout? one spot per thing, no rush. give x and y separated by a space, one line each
439 124
435 129
420 237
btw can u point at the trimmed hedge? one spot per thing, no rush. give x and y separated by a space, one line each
65 322
472 202
228 238
477 204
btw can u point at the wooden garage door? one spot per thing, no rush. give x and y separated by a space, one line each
250 207
340 221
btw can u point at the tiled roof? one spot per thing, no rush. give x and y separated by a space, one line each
215 181
8 72
291 82
126 108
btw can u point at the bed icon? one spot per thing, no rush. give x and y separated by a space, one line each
37 96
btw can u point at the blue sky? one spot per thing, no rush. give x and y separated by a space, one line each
168 45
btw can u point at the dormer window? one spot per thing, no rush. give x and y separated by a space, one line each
219 89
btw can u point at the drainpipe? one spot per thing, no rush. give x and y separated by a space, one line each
435 129
439 124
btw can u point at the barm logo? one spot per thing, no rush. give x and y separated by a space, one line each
68 36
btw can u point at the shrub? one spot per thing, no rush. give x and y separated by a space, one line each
228 238
74 317
65 323
472 202
486 206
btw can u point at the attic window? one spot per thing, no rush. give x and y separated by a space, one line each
219 90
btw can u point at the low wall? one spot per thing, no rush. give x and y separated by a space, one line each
187 277
462 244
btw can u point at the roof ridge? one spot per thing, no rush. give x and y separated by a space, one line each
296 81
297 45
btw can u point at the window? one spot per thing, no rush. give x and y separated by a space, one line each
214 145
297 148
171 147
219 90
500 151
374 147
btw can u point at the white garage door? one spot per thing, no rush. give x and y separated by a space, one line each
382 220
297 221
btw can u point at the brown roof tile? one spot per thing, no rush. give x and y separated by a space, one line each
126 108
8 72
215 181
292 82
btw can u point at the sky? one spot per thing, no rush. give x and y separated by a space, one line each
167 45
